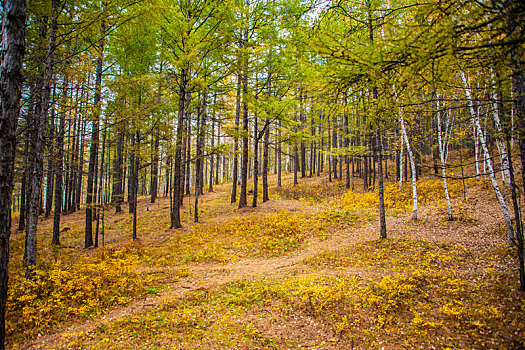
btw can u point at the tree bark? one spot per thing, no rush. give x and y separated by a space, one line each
37 150
199 161
255 160
334 146
59 171
279 156
518 219
13 48
212 158
245 144
218 162
481 137
296 164
412 164
382 217
443 154
236 140
347 145
100 199
23 189
518 85
186 154
134 180
177 174
118 195
79 170
51 160
155 168
302 119
93 152
266 156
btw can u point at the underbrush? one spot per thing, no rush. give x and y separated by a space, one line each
250 235
311 191
407 293
400 199
397 255
77 287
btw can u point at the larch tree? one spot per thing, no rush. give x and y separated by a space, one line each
13 49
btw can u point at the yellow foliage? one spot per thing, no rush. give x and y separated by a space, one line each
86 288
400 198
248 235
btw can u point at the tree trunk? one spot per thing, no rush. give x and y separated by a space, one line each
382 218
200 143
134 180
79 170
37 162
302 119
480 135
177 197
518 86
296 164
100 187
320 163
443 154
23 190
334 146
51 159
59 170
217 163
245 144
186 154
236 141
212 158
401 159
118 186
255 160
412 165
279 157
517 215
93 152
347 145
201 125
13 47
329 151
266 156
155 168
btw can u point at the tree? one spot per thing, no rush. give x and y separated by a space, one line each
13 48
37 143
95 131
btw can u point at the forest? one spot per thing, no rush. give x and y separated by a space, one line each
256 174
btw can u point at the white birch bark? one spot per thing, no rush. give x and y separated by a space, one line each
401 162
485 149
478 113
412 163
476 150
443 142
502 148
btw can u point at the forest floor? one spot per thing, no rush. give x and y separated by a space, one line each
303 270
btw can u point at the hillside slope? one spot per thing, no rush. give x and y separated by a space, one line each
304 270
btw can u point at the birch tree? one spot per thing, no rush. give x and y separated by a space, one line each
481 137
443 142
412 163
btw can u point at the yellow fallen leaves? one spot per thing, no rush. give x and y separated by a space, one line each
250 235
87 287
